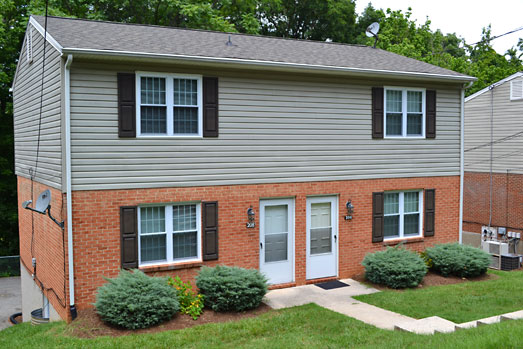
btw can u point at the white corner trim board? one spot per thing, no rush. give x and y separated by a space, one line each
49 37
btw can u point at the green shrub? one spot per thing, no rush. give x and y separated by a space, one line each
395 267
191 303
459 260
231 288
134 300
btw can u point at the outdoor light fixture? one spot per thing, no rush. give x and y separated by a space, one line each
350 210
250 217
43 205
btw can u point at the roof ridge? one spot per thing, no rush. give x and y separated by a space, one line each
211 31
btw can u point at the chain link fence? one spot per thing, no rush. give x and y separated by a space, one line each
9 266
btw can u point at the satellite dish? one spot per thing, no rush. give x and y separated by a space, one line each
43 204
372 31
43 201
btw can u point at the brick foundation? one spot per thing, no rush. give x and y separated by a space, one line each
97 232
507 201
46 245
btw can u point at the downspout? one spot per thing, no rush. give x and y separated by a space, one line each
462 159
68 180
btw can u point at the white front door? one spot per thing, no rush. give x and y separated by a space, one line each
322 237
277 240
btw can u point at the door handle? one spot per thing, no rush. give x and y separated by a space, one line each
261 245
335 238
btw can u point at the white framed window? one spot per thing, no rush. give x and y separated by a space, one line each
169 105
29 44
169 233
516 89
404 115
402 214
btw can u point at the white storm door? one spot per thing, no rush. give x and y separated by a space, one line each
322 237
277 240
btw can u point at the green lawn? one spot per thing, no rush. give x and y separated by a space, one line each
459 302
304 326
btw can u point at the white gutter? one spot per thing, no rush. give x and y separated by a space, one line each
462 159
275 64
68 176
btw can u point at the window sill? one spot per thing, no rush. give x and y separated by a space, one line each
171 266
168 137
393 242
406 137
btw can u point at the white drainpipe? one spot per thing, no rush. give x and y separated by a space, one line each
462 159
68 176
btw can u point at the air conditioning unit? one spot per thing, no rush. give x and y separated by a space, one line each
495 247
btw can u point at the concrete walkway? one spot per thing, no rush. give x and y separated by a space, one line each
340 300
10 299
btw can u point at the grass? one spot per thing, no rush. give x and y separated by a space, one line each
459 302
304 326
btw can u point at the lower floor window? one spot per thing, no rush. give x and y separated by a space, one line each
402 214
169 233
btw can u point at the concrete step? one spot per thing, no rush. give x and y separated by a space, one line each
428 325
516 315
467 325
489 320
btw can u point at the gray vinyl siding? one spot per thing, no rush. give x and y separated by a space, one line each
273 128
507 151
26 109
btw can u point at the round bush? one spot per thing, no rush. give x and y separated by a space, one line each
395 267
459 260
134 300
231 288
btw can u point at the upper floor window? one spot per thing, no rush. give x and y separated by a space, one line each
404 112
169 104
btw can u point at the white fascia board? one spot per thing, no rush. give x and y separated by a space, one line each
49 37
500 82
275 64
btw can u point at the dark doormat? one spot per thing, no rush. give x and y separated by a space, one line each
329 285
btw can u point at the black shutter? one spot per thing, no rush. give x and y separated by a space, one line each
210 107
129 236
126 105
377 112
430 110
430 209
377 217
210 230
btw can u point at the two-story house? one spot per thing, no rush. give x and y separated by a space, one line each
167 149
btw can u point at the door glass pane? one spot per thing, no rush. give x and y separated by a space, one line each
321 229
276 233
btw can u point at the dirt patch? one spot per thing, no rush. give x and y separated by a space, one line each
431 279
89 325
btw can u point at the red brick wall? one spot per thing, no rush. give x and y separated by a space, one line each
507 201
97 233
45 244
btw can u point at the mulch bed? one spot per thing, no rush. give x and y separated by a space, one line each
89 325
431 279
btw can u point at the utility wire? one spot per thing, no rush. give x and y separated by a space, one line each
498 36
504 139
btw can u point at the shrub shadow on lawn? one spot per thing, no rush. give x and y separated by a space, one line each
89 325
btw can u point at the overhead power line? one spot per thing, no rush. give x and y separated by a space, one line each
498 36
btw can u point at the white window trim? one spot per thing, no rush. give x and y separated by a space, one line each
404 112
169 235
169 102
402 212
512 98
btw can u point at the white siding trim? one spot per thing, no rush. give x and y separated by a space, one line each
479 93
49 37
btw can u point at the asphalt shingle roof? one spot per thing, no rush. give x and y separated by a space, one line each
146 39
